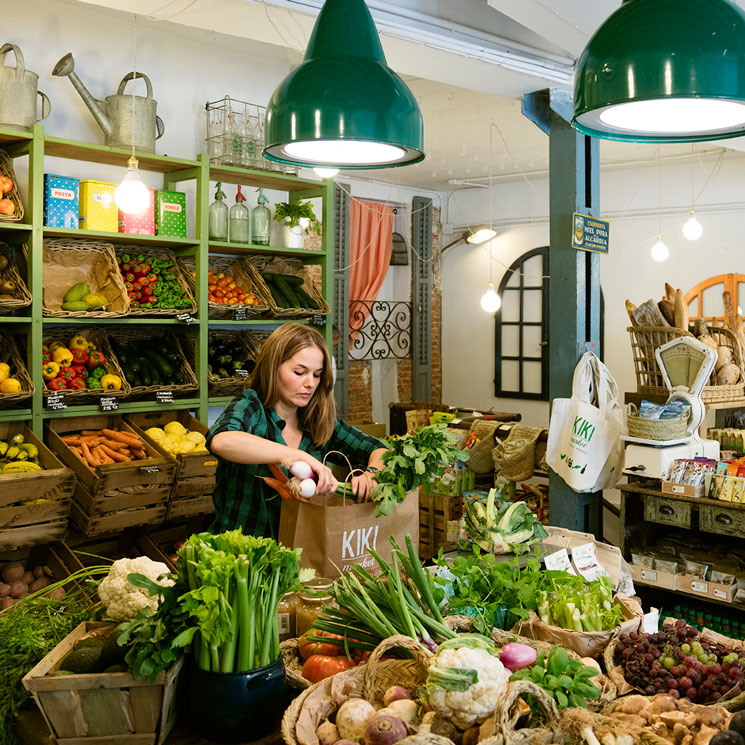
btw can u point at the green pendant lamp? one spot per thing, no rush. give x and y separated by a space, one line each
343 107
664 71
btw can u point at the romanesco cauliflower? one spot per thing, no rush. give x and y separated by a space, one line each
465 679
121 599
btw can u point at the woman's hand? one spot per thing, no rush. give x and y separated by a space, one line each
362 485
326 482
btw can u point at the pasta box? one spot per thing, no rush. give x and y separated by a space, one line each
97 208
61 201
170 213
143 223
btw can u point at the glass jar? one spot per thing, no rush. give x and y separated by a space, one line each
218 217
240 219
311 601
286 616
261 221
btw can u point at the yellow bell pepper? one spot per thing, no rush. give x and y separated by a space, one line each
111 382
62 356
49 370
55 345
79 342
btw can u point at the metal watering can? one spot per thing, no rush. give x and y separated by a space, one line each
18 93
115 116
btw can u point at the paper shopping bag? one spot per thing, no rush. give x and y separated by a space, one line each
335 533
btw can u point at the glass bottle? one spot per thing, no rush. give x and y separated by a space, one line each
286 616
218 217
239 219
261 220
310 603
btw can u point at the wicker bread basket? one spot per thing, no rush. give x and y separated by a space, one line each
6 169
656 429
12 356
21 296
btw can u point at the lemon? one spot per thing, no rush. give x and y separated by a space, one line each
174 428
155 433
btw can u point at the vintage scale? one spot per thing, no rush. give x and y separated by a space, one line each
686 366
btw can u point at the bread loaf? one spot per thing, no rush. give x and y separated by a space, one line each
724 357
681 311
630 308
668 311
728 375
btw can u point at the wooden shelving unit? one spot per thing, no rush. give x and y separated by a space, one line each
37 147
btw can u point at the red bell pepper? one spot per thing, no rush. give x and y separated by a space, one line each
143 282
76 384
46 357
135 303
142 269
80 371
66 374
79 357
129 277
58 384
95 359
128 286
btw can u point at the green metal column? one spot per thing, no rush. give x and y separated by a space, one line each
202 267
574 284
422 283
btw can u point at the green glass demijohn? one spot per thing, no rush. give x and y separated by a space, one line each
343 106
664 71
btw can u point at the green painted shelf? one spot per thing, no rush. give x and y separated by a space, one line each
220 400
14 415
241 249
14 319
259 322
9 227
128 238
128 320
125 407
11 135
267 179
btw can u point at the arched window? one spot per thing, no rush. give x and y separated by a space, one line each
521 329
705 299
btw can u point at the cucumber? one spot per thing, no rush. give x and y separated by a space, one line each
147 378
305 299
292 279
165 368
286 290
277 296
155 375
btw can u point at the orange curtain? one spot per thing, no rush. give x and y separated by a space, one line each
370 244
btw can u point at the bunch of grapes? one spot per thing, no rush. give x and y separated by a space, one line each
679 662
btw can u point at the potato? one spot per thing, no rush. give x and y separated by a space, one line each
12 572
724 357
5 603
4 590
39 584
28 578
327 733
57 594
38 571
728 375
18 590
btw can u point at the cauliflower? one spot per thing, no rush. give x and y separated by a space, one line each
465 679
123 600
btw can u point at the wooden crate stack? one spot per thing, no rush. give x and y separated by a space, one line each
435 512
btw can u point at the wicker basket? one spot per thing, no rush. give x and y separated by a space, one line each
233 385
649 381
12 356
283 265
247 281
93 262
135 336
21 297
515 456
480 459
574 721
656 429
111 363
176 270
6 169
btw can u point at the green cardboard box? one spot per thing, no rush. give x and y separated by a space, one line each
170 213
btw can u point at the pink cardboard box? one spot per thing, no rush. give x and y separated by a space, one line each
142 223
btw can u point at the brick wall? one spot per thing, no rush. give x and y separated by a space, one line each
404 372
360 391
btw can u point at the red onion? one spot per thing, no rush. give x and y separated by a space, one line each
516 656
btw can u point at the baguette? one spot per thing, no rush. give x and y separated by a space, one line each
669 292
630 308
668 311
730 317
681 311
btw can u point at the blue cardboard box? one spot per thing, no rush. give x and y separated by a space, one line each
61 201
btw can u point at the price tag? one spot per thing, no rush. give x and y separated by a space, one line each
317 320
56 402
649 575
149 469
241 314
702 587
186 318
242 373
164 397
719 593
109 403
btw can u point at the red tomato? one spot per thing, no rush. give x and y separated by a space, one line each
320 666
308 648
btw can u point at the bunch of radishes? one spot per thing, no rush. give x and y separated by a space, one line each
303 482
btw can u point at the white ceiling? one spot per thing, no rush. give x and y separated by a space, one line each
474 129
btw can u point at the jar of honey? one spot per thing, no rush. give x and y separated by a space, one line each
311 601
286 616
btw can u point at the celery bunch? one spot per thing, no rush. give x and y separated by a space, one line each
587 608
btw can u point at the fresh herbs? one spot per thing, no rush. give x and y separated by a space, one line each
295 212
414 460
566 680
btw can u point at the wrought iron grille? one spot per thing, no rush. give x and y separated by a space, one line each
380 330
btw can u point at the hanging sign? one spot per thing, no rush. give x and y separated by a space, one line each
590 234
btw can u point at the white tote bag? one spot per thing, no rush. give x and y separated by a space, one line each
584 443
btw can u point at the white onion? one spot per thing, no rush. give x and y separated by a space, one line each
301 469
307 488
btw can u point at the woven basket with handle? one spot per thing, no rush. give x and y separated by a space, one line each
12 356
6 169
234 384
656 429
21 298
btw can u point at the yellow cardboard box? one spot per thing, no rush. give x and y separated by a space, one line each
97 208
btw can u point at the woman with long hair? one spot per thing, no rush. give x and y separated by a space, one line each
287 414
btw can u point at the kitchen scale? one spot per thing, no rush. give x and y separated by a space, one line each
686 366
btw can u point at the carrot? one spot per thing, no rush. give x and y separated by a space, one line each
138 454
105 460
71 439
124 437
91 440
91 433
89 457
113 444
117 456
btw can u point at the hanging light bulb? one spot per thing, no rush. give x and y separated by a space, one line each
660 251
326 172
490 301
132 196
693 229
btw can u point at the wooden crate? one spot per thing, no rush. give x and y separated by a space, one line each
435 511
166 536
103 708
155 470
188 464
191 506
29 524
129 544
57 556
95 514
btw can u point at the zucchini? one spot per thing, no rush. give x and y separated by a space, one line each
286 290
292 279
155 375
305 299
165 368
147 378
277 296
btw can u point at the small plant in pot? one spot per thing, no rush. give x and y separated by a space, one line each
297 218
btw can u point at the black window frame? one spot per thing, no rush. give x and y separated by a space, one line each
516 267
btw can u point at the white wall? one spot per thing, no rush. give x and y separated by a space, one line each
629 197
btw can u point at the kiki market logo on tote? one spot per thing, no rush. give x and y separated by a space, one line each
582 434
356 545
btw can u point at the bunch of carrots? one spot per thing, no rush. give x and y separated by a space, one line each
99 447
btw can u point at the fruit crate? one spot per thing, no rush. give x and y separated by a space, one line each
155 470
20 297
169 536
21 522
111 708
435 512
128 543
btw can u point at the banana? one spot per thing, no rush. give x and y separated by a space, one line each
31 449
17 440
22 455
12 453
20 467
3 448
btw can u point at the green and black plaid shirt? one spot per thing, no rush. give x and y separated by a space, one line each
242 500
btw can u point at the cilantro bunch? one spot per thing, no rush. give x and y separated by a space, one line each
414 460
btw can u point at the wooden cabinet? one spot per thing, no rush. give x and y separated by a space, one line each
721 520
668 511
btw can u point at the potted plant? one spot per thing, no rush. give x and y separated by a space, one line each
296 218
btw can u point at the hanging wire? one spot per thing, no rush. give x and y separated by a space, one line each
154 17
134 76
659 193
